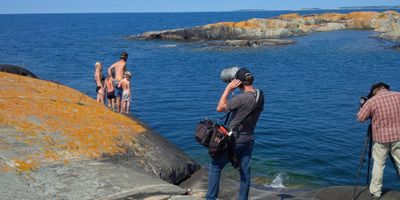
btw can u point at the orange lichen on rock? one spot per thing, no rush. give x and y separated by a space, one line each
249 24
361 15
25 165
60 123
289 17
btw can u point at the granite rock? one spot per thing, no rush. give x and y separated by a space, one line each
288 25
56 142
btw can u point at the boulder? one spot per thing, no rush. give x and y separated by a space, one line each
55 140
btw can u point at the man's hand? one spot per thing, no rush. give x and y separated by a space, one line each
222 104
233 84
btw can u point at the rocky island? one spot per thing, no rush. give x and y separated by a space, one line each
58 143
270 31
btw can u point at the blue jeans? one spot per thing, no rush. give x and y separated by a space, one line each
243 152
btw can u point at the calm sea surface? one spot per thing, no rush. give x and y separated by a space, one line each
308 134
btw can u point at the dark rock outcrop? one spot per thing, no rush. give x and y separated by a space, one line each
396 47
250 43
288 25
16 70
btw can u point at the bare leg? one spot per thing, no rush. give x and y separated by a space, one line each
124 106
98 96
109 102
128 106
118 104
113 103
101 95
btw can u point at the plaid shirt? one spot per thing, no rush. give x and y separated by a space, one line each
384 109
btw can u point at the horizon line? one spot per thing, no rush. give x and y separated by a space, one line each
240 10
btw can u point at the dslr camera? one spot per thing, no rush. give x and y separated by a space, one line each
363 100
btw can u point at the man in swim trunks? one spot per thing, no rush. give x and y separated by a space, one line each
119 67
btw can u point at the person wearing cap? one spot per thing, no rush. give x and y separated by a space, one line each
126 93
119 67
383 108
245 108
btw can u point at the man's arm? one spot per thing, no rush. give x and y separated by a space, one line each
109 69
364 113
223 101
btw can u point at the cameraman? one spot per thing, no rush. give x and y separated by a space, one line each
383 107
246 108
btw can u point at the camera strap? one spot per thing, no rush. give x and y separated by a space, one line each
226 117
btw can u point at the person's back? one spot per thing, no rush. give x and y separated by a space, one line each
119 69
109 84
383 107
246 108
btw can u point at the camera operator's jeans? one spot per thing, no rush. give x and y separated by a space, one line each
243 152
380 152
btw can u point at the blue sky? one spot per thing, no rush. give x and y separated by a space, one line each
84 6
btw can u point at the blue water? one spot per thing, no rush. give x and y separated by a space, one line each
307 134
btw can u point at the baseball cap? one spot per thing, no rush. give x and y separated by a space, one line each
245 76
376 85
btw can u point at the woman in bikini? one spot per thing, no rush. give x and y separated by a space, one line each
99 79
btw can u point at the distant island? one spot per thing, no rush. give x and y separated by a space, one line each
369 7
257 32
339 8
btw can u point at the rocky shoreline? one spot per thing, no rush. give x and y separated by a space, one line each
57 143
253 32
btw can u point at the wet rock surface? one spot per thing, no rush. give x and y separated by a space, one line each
229 188
387 24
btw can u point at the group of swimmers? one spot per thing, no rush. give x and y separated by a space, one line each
116 87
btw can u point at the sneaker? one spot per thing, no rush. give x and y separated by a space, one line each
374 197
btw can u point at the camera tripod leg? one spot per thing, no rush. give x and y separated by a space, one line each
367 143
369 153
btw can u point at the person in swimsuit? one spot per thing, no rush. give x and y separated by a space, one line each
119 67
126 92
110 92
99 79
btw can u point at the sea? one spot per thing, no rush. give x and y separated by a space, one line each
307 136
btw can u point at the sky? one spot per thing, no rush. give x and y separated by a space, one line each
90 6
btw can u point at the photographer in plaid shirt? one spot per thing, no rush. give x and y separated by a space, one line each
383 107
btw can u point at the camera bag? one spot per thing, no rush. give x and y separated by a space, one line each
206 128
204 131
